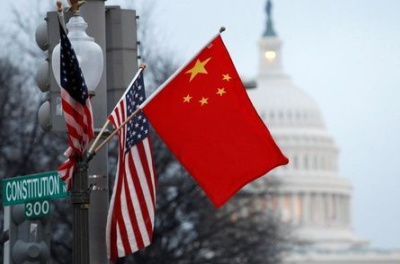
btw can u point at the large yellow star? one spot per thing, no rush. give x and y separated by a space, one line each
198 68
221 91
187 99
226 77
203 101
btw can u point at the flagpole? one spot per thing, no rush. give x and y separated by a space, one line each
92 153
222 29
98 136
61 14
137 111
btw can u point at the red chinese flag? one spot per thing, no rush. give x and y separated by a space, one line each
208 122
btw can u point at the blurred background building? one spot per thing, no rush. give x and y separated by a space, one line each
311 194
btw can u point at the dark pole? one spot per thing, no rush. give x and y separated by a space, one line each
80 199
93 11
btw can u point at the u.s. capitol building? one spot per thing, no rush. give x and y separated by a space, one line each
312 195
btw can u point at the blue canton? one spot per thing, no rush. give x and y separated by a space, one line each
138 127
71 75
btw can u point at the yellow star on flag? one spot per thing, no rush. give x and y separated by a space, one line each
221 91
198 68
226 77
203 101
187 99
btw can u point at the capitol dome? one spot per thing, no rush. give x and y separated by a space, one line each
280 103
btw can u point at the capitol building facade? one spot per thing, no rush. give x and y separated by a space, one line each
312 196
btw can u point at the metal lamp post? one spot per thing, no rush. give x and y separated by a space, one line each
90 57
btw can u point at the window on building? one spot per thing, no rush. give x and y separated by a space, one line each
275 204
298 208
315 162
315 209
286 209
272 116
295 162
306 162
289 116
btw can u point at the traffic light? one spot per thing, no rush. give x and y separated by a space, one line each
50 112
29 240
42 76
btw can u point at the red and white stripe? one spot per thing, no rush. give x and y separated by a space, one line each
79 120
66 170
130 220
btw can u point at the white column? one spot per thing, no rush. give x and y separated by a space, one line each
339 209
325 217
321 209
345 215
349 210
270 201
305 207
313 208
293 211
331 208
281 205
342 210
275 202
336 201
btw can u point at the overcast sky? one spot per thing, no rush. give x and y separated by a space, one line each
345 55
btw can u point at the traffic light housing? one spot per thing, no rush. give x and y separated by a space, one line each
50 112
29 240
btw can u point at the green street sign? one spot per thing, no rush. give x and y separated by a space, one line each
37 209
23 189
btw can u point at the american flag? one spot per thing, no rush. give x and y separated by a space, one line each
130 220
76 107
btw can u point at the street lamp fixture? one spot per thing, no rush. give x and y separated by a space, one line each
88 52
